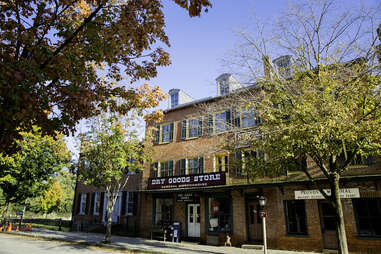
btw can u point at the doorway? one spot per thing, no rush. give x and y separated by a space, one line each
193 220
328 226
254 222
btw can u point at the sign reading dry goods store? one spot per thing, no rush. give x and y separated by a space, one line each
203 180
315 194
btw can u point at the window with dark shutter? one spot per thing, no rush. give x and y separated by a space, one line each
237 118
124 203
200 127
87 211
171 130
92 204
182 166
79 199
228 119
201 165
102 204
210 125
183 129
170 168
157 135
135 203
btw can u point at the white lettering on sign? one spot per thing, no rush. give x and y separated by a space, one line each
315 194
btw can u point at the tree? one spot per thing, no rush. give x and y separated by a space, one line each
108 153
325 104
60 59
24 174
51 198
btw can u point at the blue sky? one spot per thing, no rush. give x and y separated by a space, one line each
199 44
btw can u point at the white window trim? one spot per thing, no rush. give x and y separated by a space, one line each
96 195
81 208
128 193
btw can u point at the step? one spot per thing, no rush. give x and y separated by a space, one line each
330 251
252 246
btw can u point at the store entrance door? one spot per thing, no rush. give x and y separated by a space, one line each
254 222
193 220
328 226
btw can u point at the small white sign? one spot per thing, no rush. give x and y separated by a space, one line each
315 194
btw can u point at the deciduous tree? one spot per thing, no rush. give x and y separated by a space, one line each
325 104
61 59
108 152
24 174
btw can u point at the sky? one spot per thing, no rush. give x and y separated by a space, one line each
199 44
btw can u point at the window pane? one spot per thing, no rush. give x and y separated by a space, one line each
296 217
221 122
165 133
193 128
368 216
163 213
219 214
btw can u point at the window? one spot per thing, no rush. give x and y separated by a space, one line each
295 213
82 208
166 168
246 118
174 100
191 128
155 169
129 203
224 88
219 122
246 160
368 216
219 217
192 166
163 208
221 163
164 133
97 203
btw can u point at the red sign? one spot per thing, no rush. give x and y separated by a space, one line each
188 181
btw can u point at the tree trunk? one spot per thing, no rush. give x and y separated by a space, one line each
5 212
110 208
340 225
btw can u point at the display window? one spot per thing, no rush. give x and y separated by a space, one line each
219 218
163 208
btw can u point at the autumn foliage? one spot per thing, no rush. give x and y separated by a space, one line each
63 60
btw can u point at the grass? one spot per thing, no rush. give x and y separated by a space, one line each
50 227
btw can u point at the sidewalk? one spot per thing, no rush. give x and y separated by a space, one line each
141 244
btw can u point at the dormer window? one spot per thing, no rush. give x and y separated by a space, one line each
174 100
224 88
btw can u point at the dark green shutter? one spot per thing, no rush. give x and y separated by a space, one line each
101 208
92 203
237 118
200 127
87 210
124 203
155 172
171 129
210 125
135 200
79 202
201 165
182 166
157 135
228 119
170 168
184 129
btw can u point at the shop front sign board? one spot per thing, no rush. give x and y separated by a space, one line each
189 181
186 197
315 194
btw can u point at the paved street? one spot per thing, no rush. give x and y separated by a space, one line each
79 242
10 244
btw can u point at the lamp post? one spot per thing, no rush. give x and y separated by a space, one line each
262 203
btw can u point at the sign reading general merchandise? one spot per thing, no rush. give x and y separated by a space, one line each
315 194
202 180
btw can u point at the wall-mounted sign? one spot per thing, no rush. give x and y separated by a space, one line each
187 197
315 194
189 181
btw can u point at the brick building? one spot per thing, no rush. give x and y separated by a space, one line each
196 183
90 203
